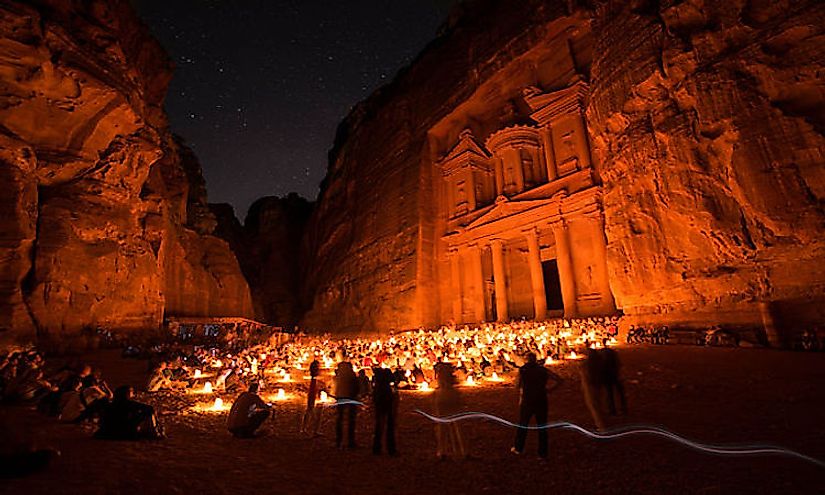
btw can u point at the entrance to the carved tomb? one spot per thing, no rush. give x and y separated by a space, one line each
489 300
552 285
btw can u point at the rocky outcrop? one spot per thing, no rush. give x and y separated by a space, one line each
707 120
104 222
269 249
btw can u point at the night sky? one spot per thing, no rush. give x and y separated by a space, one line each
260 86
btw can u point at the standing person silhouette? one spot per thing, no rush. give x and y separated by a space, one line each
612 379
312 416
592 374
533 380
346 390
447 402
384 400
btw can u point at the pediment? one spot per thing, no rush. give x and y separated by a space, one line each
570 97
505 208
467 145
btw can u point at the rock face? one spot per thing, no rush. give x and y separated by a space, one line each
105 222
702 156
377 259
268 247
707 118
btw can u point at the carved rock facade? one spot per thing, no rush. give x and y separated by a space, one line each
105 222
664 159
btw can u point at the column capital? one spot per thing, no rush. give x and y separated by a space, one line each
530 232
559 224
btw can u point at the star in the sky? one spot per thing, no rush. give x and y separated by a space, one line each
260 91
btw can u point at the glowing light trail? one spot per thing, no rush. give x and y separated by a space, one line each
344 402
635 430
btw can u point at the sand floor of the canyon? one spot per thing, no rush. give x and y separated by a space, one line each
723 396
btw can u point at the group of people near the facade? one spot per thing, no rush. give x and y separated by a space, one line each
366 372
599 375
379 385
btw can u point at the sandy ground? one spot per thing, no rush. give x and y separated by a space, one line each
729 396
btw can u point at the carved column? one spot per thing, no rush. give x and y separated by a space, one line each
499 175
536 275
600 240
565 262
477 277
499 278
455 275
549 156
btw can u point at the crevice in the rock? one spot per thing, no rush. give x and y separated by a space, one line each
28 284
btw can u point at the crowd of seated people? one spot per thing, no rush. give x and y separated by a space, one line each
477 353
74 393
637 334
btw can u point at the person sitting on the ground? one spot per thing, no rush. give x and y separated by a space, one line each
28 383
70 389
247 414
66 380
127 419
232 381
88 401
160 379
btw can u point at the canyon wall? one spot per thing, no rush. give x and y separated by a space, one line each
269 250
707 120
704 122
104 214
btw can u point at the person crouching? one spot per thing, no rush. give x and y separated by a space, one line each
247 414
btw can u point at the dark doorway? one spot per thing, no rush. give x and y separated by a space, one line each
490 295
552 285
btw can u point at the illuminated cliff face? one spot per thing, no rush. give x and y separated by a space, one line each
662 158
104 216
709 133
538 159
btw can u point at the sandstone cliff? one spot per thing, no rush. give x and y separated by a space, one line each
705 123
372 238
104 219
269 249
707 119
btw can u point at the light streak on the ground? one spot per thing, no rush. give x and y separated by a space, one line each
635 430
